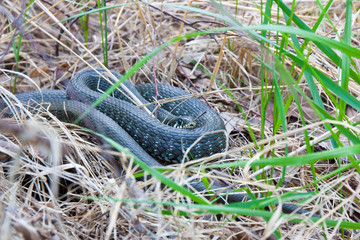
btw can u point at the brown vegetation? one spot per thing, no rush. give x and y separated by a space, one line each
54 176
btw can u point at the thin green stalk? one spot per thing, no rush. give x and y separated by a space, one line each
345 59
84 20
16 49
103 30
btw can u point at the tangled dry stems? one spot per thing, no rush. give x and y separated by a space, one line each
55 178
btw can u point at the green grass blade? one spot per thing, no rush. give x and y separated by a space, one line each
227 209
153 172
295 160
345 59
323 47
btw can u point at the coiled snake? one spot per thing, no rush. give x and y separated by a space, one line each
146 137
161 141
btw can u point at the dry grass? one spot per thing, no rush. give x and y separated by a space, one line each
55 178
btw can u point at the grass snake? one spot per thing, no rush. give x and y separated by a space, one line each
161 141
146 137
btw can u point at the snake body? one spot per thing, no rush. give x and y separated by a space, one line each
146 137
159 140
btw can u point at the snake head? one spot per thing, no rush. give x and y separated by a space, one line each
183 122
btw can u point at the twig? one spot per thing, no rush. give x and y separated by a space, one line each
182 20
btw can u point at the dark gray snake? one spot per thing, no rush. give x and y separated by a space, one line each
146 137
161 141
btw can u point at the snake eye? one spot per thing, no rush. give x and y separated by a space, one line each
178 123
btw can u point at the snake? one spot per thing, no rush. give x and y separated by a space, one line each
180 130
177 127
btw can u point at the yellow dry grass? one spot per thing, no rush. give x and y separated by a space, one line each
54 177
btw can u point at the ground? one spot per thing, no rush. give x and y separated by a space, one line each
57 181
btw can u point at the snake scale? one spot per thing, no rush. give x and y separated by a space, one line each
146 137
